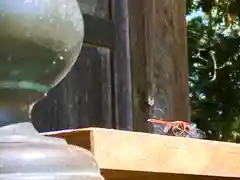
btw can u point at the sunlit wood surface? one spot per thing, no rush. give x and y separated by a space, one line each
131 155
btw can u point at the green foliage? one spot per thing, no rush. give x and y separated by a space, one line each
214 67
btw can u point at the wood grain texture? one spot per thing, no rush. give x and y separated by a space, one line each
138 61
122 67
155 156
98 32
167 66
99 8
82 99
159 60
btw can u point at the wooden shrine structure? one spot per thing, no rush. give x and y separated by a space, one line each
134 51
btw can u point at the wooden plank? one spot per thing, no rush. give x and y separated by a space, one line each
138 175
98 31
95 8
156 156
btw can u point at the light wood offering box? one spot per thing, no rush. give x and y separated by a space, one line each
132 155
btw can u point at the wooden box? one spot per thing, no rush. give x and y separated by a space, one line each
132 155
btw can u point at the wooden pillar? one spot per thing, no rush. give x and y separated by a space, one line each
122 67
138 59
165 51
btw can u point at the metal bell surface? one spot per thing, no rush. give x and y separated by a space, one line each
40 41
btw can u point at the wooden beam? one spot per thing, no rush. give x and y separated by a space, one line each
131 155
98 31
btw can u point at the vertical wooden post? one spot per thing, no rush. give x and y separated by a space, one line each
138 58
166 52
166 57
122 66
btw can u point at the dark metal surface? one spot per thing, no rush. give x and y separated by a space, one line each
8 117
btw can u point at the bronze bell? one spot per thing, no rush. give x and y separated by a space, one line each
40 41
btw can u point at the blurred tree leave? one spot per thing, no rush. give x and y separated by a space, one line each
214 67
